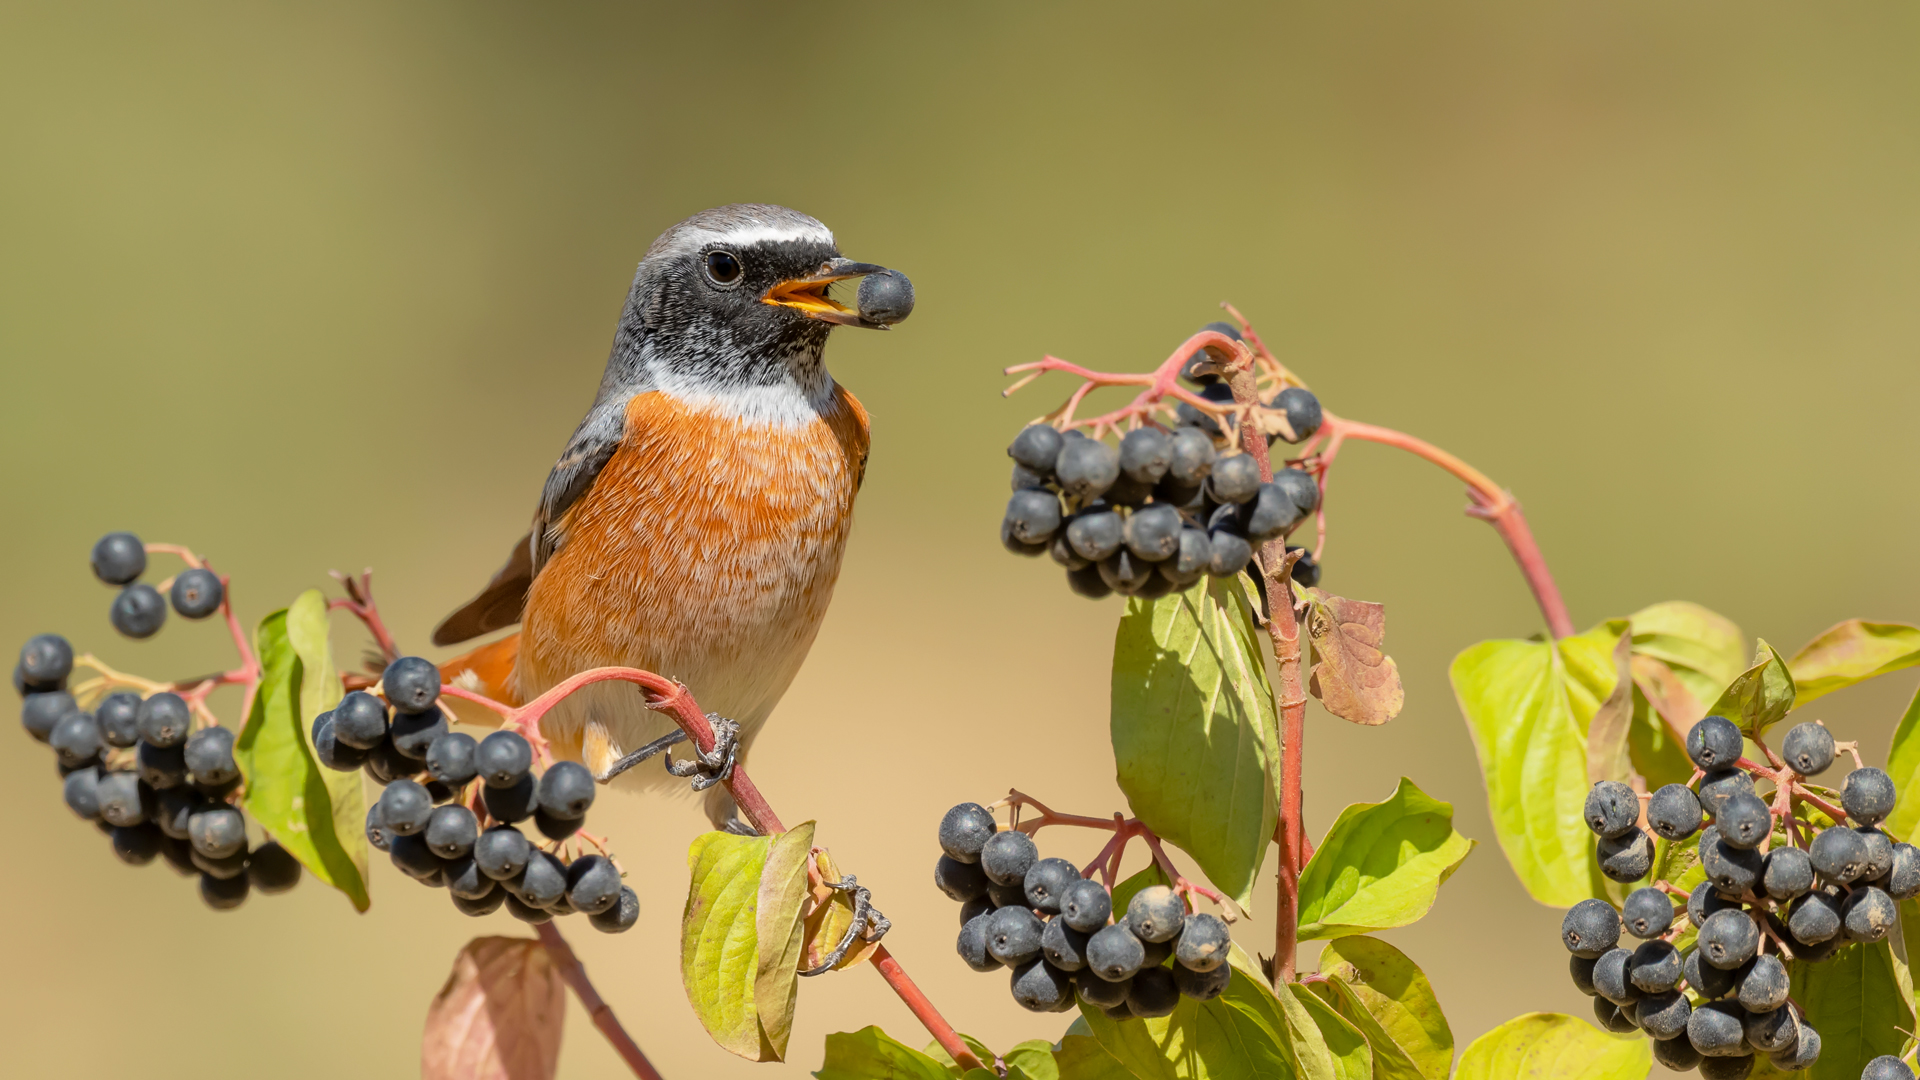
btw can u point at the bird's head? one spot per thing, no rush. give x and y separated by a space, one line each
739 296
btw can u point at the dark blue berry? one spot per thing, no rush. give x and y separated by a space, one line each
119 717
411 684
566 790
1674 812
1301 409
964 830
1867 795
958 880
210 757
502 852
164 720
1037 447
196 594
451 831
1612 808
621 915
1714 743
217 831
504 758
138 611
509 804
593 884
885 297
1808 749
1156 913
1096 534
161 767
1145 455
412 733
360 720
119 558
40 712
1193 456
46 658
1086 467
76 739
272 868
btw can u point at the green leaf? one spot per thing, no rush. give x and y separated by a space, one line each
741 937
1704 648
1347 1050
1033 1059
1528 704
1758 697
1380 866
1609 733
1237 1036
286 788
1903 764
939 1053
870 1054
1853 999
320 690
1081 1057
1388 997
1852 652
1550 1046
1193 725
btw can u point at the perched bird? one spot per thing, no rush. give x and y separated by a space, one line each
694 524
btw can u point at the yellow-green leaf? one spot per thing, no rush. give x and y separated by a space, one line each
1346 1045
1528 704
1240 1035
1388 998
1192 728
1704 648
741 937
320 690
1903 764
1758 697
1380 866
1551 1046
286 791
871 1054
1081 1057
1852 652
1854 1000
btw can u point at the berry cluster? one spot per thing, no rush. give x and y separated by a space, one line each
138 610
445 834
158 785
1058 933
1805 891
1163 508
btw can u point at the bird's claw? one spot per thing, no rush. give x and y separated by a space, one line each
629 761
712 766
868 924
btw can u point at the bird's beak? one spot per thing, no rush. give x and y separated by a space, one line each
808 295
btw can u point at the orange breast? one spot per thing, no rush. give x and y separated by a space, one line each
706 550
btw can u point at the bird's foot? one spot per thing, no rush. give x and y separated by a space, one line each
656 746
868 924
736 827
712 766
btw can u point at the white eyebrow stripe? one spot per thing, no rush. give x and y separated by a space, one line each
747 235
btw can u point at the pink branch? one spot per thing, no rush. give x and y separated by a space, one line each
575 973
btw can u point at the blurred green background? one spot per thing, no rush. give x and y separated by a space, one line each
328 288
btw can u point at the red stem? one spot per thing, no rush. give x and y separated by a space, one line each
572 970
1491 503
1283 629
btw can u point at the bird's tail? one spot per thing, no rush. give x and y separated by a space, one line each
487 670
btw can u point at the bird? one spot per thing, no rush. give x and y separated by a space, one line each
695 522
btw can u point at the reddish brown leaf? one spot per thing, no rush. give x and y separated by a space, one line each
1607 756
828 916
499 1015
1351 676
1666 693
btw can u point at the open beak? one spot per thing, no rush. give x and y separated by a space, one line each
808 295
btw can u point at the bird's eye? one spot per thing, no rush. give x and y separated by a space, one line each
722 267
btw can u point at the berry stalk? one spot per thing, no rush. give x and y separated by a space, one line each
575 973
1283 629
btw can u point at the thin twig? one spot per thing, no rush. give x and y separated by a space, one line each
575 973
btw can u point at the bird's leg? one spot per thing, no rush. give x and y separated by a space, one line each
868 924
713 766
658 745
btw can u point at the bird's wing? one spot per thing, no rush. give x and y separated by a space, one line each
499 604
